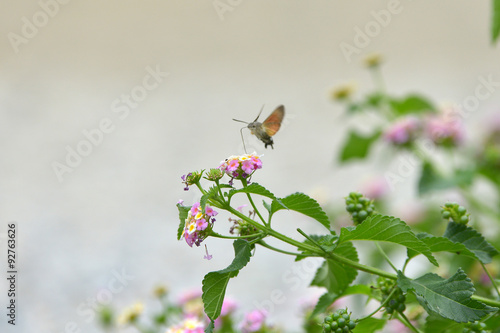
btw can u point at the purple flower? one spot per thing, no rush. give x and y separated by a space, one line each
210 211
208 256
198 225
445 130
241 167
201 224
402 131
233 165
253 321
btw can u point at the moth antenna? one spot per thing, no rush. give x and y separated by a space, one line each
243 140
241 121
259 113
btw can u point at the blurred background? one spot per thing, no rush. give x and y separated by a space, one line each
161 82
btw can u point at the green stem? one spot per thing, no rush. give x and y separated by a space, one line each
264 244
386 257
387 299
200 188
486 301
220 191
311 240
407 261
491 279
217 235
380 85
245 184
313 249
407 322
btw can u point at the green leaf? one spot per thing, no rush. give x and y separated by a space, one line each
495 20
450 298
183 213
215 283
324 302
431 180
357 146
411 104
472 240
442 244
335 276
437 324
326 242
374 100
328 298
304 204
254 188
386 229
369 325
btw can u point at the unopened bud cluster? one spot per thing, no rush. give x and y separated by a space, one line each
359 207
454 212
338 322
475 327
397 301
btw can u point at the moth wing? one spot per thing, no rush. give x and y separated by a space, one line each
273 123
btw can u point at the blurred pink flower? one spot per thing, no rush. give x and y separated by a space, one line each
253 321
375 188
189 295
403 130
228 307
445 129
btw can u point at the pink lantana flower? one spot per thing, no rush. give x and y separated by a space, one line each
445 130
198 224
403 131
253 321
241 167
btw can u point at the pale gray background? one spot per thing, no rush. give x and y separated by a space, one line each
117 209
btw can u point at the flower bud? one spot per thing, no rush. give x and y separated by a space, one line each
454 212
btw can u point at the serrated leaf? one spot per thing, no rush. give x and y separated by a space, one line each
215 283
472 240
253 188
328 298
387 229
442 244
411 104
267 206
304 204
357 146
369 325
326 242
183 213
450 298
324 302
203 201
495 20
335 276
437 324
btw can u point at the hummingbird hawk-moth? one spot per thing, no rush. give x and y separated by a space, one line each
265 130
